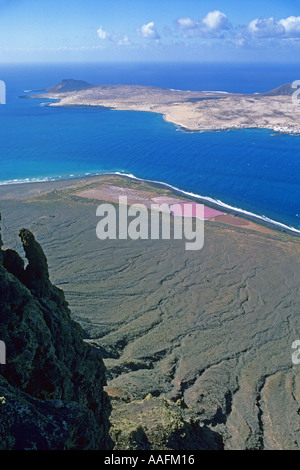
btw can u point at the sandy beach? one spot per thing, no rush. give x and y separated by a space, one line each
213 327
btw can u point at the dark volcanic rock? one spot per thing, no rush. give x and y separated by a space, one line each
213 327
51 388
160 424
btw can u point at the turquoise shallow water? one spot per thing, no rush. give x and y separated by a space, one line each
251 169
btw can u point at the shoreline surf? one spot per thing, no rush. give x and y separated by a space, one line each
211 202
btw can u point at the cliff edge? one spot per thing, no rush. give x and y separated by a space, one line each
51 387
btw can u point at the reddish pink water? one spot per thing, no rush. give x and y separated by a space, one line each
192 209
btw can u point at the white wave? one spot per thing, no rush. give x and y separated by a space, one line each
216 202
28 180
184 91
216 91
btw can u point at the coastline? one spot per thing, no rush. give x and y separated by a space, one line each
82 99
32 189
235 127
170 322
285 130
193 111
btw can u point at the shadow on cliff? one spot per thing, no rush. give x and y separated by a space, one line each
51 387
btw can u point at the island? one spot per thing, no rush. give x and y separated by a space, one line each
191 110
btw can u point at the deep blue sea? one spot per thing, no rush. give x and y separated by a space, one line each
252 170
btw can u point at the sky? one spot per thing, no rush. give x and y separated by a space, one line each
149 30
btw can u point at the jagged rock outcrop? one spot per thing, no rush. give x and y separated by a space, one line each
51 387
159 424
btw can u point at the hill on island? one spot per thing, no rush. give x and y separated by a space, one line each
286 90
69 85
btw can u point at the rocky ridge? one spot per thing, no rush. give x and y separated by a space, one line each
51 387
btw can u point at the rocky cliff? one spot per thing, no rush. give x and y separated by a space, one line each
159 424
51 387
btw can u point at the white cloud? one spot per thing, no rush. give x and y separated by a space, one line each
116 38
103 34
216 20
149 31
265 28
186 23
124 41
212 25
269 28
291 26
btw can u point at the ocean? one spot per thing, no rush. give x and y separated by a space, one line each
253 171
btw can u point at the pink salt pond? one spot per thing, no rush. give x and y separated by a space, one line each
192 209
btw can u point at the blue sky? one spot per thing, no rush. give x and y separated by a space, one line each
149 30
